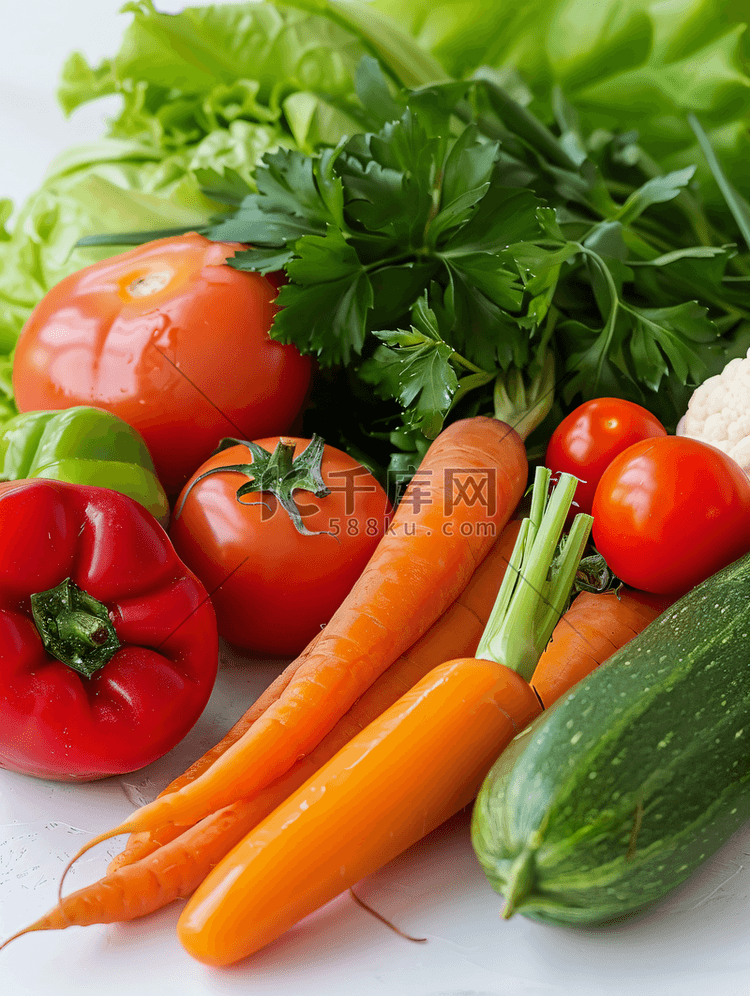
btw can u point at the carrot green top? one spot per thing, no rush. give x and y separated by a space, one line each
537 585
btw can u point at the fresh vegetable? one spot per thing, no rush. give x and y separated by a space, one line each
587 440
278 539
426 558
142 881
82 445
432 262
719 411
402 776
669 512
595 626
455 633
637 773
108 644
259 73
630 67
174 342
267 76
405 773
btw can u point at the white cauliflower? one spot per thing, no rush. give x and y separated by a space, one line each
719 412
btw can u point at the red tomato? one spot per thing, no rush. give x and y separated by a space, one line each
273 588
586 442
174 342
671 511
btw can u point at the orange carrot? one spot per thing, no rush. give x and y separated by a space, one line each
243 724
140 844
151 878
455 634
418 569
422 761
593 628
416 765
151 883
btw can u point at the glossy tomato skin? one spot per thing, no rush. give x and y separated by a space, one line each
173 341
587 440
671 511
273 588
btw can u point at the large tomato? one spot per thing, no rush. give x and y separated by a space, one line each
671 511
586 442
171 339
275 584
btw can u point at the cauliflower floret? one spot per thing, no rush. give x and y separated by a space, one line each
719 412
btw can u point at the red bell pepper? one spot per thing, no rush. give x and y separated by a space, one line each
108 643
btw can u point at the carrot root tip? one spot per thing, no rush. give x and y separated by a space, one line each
38 925
107 835
379 916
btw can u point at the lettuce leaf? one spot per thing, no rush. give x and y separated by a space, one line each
638 65
183 75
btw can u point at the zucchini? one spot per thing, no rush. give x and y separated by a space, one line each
620 790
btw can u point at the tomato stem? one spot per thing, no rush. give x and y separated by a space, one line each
282 457
279 473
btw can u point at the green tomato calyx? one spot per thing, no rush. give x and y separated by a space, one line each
280 473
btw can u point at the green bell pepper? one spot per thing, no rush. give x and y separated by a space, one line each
82 445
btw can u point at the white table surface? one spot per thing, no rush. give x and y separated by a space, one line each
696 941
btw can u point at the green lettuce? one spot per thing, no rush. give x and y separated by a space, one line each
183 76
640 65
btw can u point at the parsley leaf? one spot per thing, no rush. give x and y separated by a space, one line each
416 368
661 334
324 310
595 366
287 182
654 191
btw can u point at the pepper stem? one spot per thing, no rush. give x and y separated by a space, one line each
75 627
81 626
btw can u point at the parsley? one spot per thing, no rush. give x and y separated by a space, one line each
460 255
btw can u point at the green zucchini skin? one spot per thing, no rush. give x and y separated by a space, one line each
618 792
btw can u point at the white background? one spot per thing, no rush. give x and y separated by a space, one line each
696 941
35 39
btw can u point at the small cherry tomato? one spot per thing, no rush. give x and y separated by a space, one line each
671 511
278 530
174 342
586 442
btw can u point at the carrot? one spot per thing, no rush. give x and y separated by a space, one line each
153 878
455 634
151 883
415 766
422 761
243 724
418 569
140 844
593 628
